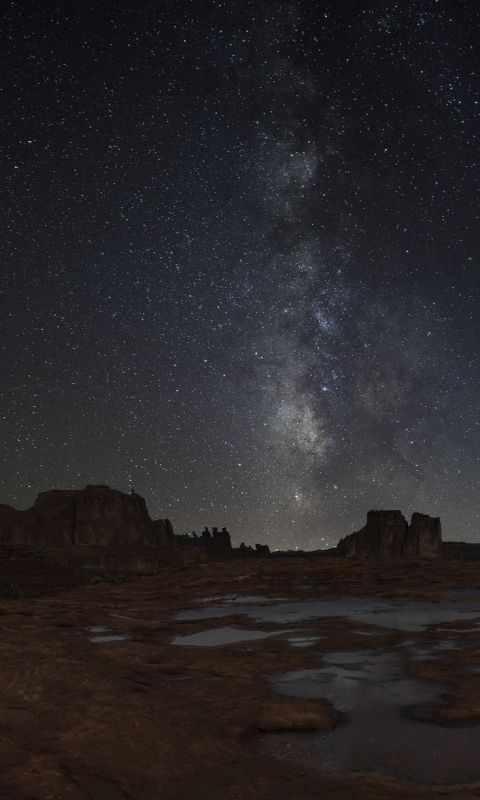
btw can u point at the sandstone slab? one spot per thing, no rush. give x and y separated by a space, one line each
145 720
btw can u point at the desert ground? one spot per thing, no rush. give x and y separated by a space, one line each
141 718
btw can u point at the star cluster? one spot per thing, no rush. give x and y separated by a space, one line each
241 261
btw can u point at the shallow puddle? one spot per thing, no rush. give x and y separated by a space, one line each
379 732
234 598
304 641
101 634
114 637
219 636
407 617
135 619
464 630
424 655
448 644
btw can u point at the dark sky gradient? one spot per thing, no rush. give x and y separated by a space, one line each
240 260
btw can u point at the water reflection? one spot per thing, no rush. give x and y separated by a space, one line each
234 598
407 617
379 732
135 619
304 641
101 634
219 636
114 637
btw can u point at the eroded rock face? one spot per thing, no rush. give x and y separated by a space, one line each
387 534
12 525
96 515
163 533
424 536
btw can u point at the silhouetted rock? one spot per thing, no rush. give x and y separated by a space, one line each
387 534
332 552
383 535
424 536
244 551
451 554
186 540
463 551
13 525
96 515
217 543
164 536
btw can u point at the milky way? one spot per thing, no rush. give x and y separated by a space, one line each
241 261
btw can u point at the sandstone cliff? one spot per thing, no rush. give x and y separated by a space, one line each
424 536
96 515
387 534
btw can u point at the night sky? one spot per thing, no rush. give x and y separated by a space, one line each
240 260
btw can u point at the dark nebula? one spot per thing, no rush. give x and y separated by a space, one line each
240 260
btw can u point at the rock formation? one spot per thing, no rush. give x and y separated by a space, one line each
187 540
96 515
244 551
463 551
424 536
217 543
263 550
163 534
387 534
331 552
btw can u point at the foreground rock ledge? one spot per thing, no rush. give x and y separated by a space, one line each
143 719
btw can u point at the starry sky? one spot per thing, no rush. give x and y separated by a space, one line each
240 260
